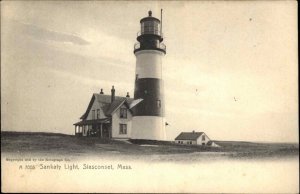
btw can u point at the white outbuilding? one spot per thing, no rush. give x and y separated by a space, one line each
194 138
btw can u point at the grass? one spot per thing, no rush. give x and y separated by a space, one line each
61 144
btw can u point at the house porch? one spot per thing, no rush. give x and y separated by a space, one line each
94 128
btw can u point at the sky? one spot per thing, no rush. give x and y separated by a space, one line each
231 68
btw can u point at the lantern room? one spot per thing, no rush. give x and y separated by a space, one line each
150 35
150 25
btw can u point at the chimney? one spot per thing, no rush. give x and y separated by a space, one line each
127 96
112 94
101 92
193 131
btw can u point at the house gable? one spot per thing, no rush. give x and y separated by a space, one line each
113 107
117 120
96 111
203 139
94 105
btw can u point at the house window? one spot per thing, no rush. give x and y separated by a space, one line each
98 113
123 129
203 137
93 114
123 113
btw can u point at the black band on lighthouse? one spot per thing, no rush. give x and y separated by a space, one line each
149 89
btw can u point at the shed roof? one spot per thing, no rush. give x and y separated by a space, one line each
189 135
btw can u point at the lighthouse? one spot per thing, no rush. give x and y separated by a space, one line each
148 120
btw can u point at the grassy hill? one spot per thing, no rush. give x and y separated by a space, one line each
61 144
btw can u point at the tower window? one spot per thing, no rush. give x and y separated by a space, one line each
158 103
123 129
123 113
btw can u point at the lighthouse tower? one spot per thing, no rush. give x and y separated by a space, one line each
148 120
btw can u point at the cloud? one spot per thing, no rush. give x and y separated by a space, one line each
49 35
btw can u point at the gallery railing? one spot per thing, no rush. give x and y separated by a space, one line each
160 46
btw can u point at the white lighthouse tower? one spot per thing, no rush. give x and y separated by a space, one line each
148 120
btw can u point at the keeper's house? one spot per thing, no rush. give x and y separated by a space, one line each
194 138
107 116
